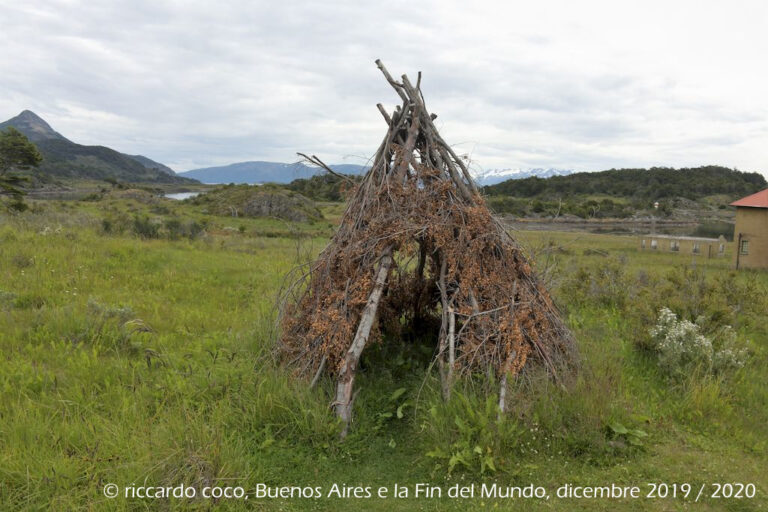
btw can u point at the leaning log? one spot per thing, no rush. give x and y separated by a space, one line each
343 403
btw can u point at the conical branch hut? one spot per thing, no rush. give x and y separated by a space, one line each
418 245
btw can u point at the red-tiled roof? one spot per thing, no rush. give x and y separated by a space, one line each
759 200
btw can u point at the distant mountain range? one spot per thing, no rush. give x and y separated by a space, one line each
264 172
64 158
494 176
276 172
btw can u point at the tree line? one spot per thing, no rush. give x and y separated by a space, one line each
644 184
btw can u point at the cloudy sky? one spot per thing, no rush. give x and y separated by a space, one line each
578 85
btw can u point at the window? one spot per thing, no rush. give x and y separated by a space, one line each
696 248
744 249
674 245
643 244
721 249
654 244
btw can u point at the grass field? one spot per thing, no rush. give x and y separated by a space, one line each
149 361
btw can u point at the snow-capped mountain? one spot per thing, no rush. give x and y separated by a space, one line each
493 176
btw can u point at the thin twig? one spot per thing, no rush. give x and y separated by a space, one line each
316 161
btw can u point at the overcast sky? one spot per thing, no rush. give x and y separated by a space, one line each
577 85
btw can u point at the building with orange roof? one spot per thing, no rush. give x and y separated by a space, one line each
751 231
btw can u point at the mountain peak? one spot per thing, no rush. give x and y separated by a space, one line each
33 126
494 176
29 115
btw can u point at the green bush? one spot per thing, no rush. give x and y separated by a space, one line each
116 224
606 285
176 229
144 227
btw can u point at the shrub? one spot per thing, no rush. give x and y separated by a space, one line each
176 229
116 224
606 285
195 228
727 299
144 227
683 349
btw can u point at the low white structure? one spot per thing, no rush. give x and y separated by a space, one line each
710 247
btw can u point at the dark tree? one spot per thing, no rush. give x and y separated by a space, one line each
17 153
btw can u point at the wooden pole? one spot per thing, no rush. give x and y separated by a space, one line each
444 331
503 395
451 347
343 403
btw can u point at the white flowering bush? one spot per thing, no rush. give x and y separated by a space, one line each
727 355
682 347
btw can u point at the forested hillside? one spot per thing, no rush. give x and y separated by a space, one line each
649 184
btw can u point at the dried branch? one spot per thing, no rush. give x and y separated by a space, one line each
319 163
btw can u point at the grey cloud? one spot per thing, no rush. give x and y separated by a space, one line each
199 83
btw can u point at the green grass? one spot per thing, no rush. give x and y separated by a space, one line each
128 361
